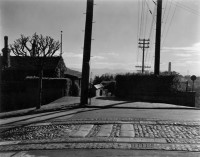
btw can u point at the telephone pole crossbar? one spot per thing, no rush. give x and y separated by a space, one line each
143 44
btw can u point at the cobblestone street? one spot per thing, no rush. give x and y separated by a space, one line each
101 134
111 128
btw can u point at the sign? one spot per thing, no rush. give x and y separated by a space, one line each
193 77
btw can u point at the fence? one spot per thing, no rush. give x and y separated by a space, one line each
24 94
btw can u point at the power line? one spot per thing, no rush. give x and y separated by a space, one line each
192 10
177 4
148 10
141 23
195 12
165 8
150 34
153 21
138 28
169 25
145 24
167 18
148 7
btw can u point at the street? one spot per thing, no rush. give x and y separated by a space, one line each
106 128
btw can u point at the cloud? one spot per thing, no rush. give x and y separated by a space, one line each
112 65
192 62
183 55
184 51
186 63
112 54
80 56
72 55
97 57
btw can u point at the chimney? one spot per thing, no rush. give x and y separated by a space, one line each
6 53
169 68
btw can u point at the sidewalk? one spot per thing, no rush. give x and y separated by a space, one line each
101 102
62 103
108 126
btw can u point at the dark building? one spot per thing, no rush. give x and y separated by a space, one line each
19 80
20 67
74 75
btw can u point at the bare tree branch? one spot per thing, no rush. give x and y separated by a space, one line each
45 46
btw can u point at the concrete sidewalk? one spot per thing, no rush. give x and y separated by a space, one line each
108 126
60 104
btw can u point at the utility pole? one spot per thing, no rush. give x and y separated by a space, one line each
86 53
61 44
143 45
158 38
40 69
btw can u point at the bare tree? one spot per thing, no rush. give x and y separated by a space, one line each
44 46
36 46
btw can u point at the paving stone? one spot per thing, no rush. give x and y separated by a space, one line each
147 140
176 136
127 130
127 127
142 146
127 134
83 131
105 130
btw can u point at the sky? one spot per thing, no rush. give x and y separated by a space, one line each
118 24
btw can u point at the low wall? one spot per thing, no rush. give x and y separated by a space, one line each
24 94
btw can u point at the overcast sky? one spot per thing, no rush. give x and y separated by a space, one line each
118 25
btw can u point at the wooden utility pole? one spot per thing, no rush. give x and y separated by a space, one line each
41 64
143 47
158 38
40 70
61 44
86 53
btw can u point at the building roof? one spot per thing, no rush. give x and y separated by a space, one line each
98 86
72 73
106 83
33 63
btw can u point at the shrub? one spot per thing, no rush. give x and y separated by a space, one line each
131 84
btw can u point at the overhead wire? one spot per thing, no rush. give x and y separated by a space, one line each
141 25
193 11
142 17
150 36
177 4
165 8
166 19
147 13
169 26
145 20
138 30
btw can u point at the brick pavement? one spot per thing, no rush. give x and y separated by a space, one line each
103 134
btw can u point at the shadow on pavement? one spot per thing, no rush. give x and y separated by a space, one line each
110 98
87 109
